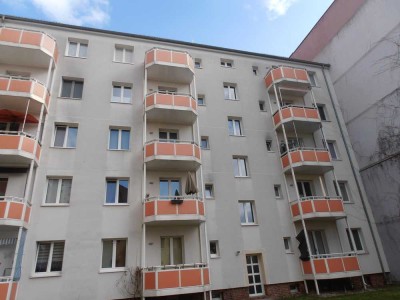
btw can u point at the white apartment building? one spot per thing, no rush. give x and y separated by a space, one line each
133 166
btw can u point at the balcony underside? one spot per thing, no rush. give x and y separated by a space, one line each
321 216
169 72
310 168
176 291
16 158
299 125
20 55
19 102
167 114
336 275
172 163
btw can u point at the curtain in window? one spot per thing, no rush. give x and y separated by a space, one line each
58 254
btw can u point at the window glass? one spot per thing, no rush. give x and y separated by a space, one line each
120 253
164 191
107 254
208 191
118 54
165 251
249 212
127 94
42 257
52 188
114 133
72 133
111 191
125 134
123 191
78 90
321 110
58 254
65 193
332 150
66 88
83 50
117 93
72 48
60 136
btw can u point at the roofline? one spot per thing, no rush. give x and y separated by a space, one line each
164 40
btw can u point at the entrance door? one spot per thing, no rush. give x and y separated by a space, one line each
254 275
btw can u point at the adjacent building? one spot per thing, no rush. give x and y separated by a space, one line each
361 40
134 166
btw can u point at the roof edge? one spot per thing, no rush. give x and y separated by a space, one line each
164 40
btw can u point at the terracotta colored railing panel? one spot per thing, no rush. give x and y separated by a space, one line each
172 149
19 142
182 101
317 205
319 265
149 280
297 156
168 279
27 214
330 265
15 211
335 265
286 73
191 277
164 207
351 264
3 290
14 208
169 56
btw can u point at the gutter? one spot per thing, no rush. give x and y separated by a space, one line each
354 171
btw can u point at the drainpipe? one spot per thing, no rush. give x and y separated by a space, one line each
354 171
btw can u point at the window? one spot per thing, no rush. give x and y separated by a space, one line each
343 190
214 249
247 215
3 187
295 143
317 242
65 136
171 251
358 241
332 150
201 100
49 257
230 91
10 126
123 54
288 244
121 94
215 295
255 70
209 191
254 275
72 89
312 77
170 188
304 188
117 191
240 167
114 254
268 143
235 126
77 48
119 139
168 135
58 190
197 63
277 191
261 105
167 90
204 142
322 112
227 63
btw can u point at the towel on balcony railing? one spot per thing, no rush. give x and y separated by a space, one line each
304 253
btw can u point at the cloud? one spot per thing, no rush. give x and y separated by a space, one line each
76 12
277 8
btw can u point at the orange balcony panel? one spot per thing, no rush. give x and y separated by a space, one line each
18 150
295 209
189 211
206 276
27 47
149 280
191 277
307 267
336 206
299 118
167 108
160 155
14 211
168 279
306 207
335 265
307 161
169 65
27 214
288 78
351 264
321 206
4 290
319 266
318 207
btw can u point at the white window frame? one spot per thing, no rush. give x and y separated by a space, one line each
277 188
122 87
360 237
226 63
211 190
119 138
234 122
74 81
246 172
78 47
58 196
124 50
114 255
116 196
335 150
287 243
49 260
253 211
66 136
313 79
231 88
217 254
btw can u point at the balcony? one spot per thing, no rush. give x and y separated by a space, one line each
26 48
172 155
14 211
316 207
291 81
18 149
307 161
15 92
179 279
169 66
161 210
331 266
168 108
6 283
303 119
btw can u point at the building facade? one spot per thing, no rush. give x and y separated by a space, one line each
141 167
365 73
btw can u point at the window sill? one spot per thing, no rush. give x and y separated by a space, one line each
205 148
270 151
55 205
198 68
112 270
69 148
123 63
226 67
289 252
201 105
43 275
68 98
248 224
348 202
236 135
215 257
242 176
116 204
328 121
75 56
231 99
120 102
126 150
336 159
211 198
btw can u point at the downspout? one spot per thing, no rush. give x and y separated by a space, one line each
353 169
